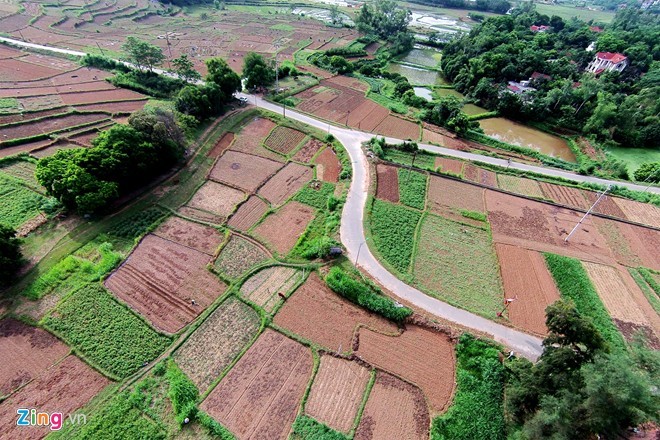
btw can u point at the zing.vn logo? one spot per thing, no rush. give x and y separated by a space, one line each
30 417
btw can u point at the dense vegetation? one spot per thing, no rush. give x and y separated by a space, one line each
318 198
393 231
412 188
578 389
10 255
363 295
574 284
105 332
306 428
477 411
498 6
388 21
122 159
615 108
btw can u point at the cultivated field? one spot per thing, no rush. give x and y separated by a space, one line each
243 171
328 166
284 139
216 198
337 392
212 347
252 135
520 185
479 175
259 397
190 234
268 287
307 152
285 183
26 352
456 195
527 280
238 256
457 264
395 410
428 361
221 146
160 280
643 213
320 315
63 388
388 183
248 214
449 165
18 202
565 195
622 297
296 216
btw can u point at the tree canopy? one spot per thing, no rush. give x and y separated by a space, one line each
142 54
618 108
10 255
256 72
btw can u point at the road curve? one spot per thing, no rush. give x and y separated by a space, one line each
352 231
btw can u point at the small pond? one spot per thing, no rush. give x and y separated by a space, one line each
423 92
415 75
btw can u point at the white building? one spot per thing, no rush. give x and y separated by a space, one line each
607 61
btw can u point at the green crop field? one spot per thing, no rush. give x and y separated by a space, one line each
412 188
393 231
108 334
634 157
457 263
566 12
18 203
422 160
318 198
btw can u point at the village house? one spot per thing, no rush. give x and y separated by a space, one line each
607 61
542 28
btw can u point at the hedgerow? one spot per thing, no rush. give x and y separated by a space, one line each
478 408
361 294
306 428
393 231
182 393
106 333
573 282
318 198
412 188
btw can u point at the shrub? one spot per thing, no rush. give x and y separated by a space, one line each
183 393
318 198
306 428
361 294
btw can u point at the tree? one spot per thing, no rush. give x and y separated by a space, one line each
223 76
648 172
185 69
256 72
10 255
142 54
385 18
335 16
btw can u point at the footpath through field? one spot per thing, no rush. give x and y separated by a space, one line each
352 232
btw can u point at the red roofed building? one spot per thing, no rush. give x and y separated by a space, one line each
607 61
542 28
596 29
540 76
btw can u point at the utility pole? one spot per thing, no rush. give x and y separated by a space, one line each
651 182
169 48
277 68
588 212
358 253
97 45
284 109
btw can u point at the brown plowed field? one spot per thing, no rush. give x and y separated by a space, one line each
526 279
220 146
216 198
619 242
161 278
49 125
63 388
212 347
399 128
243 171
606 206
520 185
328 166
259 398
284 139
190 234
295 216
337 392
56 90
308 151
543 227
26 353
265 287
114 107
395 410
202 216
457 195
12 70
285 183
428 361
479 175
248 214
647 245
387 187
100 96
565 195
623 299
433 137
252 135
449 165
643 213
320 315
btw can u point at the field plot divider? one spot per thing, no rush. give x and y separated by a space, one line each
418 228
363 403
295 287
315 369
302 143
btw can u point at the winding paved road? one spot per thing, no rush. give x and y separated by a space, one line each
352 232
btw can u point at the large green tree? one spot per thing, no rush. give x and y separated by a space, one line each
220 74
185 69
10 255
256 72
142 54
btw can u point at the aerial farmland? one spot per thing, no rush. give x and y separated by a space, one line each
310 221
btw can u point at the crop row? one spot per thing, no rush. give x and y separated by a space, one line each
393 231
412 188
